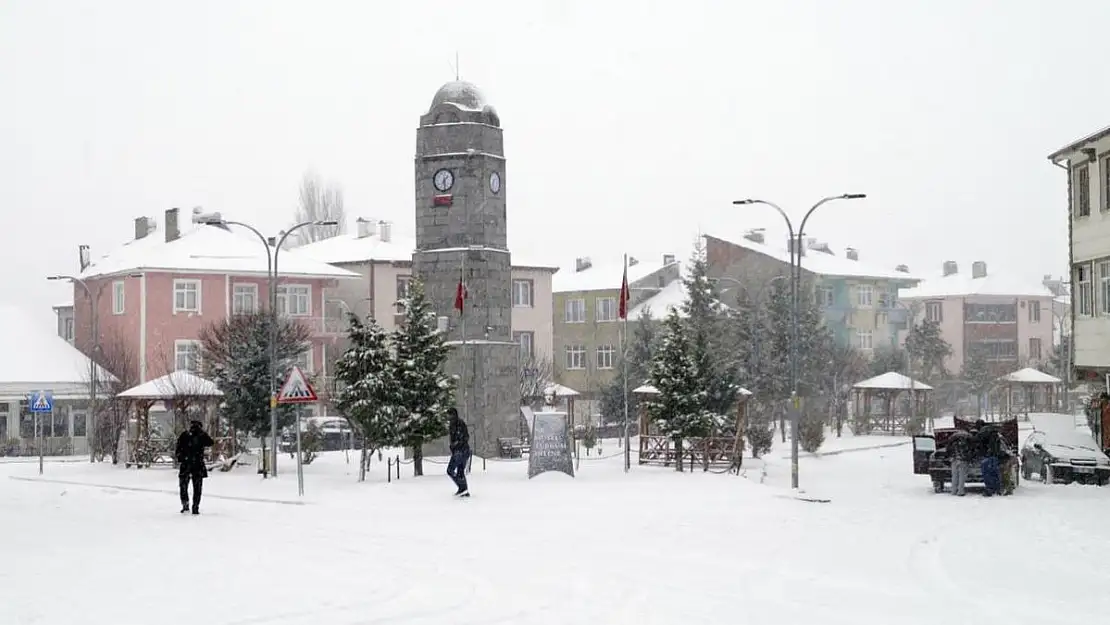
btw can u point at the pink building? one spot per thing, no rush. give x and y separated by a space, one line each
154 294
1010 318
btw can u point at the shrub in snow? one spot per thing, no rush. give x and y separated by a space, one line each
862 425
811 433
312 441
760 432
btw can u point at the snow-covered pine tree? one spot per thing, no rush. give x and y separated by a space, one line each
706 319
775 347
928 350
367 391
679 408
425 390
235 355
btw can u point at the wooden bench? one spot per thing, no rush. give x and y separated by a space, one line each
511 447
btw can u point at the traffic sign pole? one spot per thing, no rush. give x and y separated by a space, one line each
297 390
41 403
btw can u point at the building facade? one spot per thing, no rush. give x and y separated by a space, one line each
1012 321
587 338
860 302
1086 163
147 301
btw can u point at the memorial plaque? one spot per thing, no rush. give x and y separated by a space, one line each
550 445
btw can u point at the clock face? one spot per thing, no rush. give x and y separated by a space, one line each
495 182
443 179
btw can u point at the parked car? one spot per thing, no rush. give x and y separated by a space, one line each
930 452
1062 457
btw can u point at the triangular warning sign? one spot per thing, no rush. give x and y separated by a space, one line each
41 403
296 389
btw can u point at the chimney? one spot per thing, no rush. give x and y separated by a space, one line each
143 227
852 253
819 246
83 256
902 269
950 268
385 231
582 263
978 269
668 259
173 232
755 236
365 228
632 260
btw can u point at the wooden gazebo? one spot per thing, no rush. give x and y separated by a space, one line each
657 448
887 390
1035 391
189 397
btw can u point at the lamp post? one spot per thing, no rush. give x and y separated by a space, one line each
215 219
795 276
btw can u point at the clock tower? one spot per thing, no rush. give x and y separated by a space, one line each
461 235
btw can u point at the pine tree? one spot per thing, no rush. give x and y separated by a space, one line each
886 359
679 410
367 394
977 375
715 358
425 390
927 349
235 355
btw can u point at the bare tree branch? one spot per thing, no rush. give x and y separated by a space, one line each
536 374
318 201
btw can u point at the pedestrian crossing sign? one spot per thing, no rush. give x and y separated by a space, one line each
42 401
296 389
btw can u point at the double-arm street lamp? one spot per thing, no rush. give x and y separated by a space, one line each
273 249
795 277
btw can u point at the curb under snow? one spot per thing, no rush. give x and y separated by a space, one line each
167 491
837 452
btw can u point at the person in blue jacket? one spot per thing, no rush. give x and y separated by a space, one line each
460 452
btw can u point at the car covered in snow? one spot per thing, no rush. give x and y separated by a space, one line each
930 453
1062 457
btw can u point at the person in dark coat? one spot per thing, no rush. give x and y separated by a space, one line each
460 452
960 454
190 462
989 444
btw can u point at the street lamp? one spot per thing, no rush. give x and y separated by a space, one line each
795 276
94 319
215 219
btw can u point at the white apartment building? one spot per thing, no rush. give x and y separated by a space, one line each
1087 164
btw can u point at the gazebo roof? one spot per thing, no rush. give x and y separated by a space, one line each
176 384
892 381
1029 375
648 389
561 391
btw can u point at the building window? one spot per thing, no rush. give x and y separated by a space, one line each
934 311
1034 311
606 356
522 294
884 299
527 341
990 313
60 423
304 361
865 339
186 356
4 421
1035 349
244 299
576 357
294 300
1082 187
79 425
117 297
1105 171
606 309
67 328
186 296
1084 304
403 283
995 349
864 296
1104 288
825 297
576 310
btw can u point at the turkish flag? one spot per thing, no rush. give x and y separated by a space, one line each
460 294
622 310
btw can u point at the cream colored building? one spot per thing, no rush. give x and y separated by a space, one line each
384 263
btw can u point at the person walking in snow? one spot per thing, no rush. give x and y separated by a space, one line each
989 446
960 454
190 462
460 452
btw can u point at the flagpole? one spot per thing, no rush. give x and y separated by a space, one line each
624 370
465 355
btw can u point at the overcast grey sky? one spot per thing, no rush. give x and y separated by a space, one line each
628 125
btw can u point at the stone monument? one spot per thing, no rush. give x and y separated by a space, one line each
461 238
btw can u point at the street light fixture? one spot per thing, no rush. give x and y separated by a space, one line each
215 219
795 277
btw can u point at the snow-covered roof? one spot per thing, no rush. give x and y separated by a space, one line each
602 276
560 390
1029 375
825 264
660 304
962 284
34 357
207 249
892 380
351 248
462 94
172 385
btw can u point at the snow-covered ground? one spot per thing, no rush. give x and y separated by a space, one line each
652 546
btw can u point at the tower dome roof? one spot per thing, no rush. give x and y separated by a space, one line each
462 94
